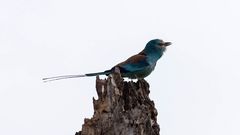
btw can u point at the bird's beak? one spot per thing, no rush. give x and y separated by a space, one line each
167 43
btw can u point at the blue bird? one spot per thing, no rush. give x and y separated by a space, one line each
138 66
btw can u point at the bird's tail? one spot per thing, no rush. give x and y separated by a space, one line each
107 72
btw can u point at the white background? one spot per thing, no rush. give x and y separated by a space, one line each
195 85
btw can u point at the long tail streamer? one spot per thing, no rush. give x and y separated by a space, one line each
75 76
61 77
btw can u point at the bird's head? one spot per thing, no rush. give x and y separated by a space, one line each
156 46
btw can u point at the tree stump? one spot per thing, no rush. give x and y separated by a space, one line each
122 108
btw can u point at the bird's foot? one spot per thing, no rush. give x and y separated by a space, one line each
142 80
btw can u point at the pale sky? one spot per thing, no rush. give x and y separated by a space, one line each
195 85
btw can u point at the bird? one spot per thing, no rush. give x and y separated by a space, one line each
137 66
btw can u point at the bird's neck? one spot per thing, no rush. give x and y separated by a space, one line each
152 55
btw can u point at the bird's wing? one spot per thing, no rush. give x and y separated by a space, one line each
134 63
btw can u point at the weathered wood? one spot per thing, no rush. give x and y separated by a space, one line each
122 108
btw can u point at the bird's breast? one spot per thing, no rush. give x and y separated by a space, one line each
140 74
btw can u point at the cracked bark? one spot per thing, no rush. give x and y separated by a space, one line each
122 108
